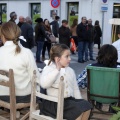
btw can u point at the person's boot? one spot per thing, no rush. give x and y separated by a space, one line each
43 58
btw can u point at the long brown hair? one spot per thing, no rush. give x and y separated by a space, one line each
47 27
11 32
75 22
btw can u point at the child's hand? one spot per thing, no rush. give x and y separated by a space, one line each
57 61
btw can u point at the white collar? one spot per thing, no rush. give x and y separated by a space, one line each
53 65
8 43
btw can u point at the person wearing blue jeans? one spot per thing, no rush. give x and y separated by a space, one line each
86 43
82 37
81 49
40 36
90 42
89 47
39 49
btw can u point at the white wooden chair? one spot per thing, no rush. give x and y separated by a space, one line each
12 106
34 113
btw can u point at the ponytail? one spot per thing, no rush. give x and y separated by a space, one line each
49 62
18 49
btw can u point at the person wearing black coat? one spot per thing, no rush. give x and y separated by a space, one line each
13 17
27 33
55 26
64 33
90 43
82 38
21 21
40 36
97 33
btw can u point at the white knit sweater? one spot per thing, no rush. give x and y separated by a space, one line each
22 64
50 79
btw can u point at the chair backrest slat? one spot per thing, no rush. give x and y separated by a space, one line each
5 83
2 81
2 72
46 97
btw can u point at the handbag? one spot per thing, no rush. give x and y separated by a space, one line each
51 37
72 45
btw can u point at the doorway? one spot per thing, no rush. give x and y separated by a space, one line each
116 14
72 11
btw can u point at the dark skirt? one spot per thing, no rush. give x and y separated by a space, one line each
73 108
19 99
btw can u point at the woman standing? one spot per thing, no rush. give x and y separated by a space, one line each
46 43
64 33
97 33
73 31
40 36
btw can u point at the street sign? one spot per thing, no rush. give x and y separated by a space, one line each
55 3
104 1
104 7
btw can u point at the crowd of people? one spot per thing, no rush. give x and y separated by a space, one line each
18 56
84 34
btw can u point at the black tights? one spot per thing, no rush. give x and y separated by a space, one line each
48 45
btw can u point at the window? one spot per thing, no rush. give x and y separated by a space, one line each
116 10
116 14
72 11
35 11
3 13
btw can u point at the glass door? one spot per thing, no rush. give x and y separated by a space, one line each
73 8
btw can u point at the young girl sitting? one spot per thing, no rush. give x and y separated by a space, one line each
75 108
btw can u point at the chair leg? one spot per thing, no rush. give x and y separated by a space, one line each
25 116
17 114
13 114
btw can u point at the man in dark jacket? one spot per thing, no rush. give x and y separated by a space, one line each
27 33
13 17
64 33
90 42
55 26
82 38
21 21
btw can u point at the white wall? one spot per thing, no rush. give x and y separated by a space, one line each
89 8
20 7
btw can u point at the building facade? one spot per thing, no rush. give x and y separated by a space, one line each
68 9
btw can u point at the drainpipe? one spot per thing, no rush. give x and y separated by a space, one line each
91 7
60 13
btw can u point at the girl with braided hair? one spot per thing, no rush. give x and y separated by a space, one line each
18 58
73 103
